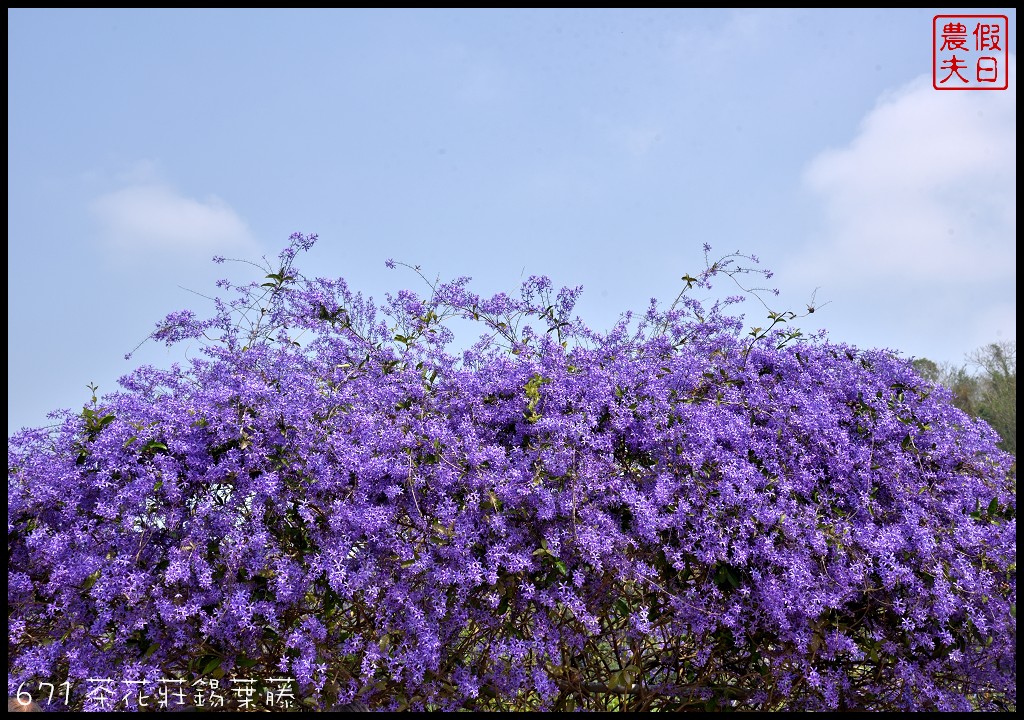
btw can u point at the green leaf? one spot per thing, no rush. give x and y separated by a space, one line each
211 666
630 674
90 580
977 510
153 446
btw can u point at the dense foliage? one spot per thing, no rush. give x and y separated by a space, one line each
668 515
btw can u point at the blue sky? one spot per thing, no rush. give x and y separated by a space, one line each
599 147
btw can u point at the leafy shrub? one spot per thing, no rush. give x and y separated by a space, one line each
669 515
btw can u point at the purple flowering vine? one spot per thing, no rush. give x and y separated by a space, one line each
668 515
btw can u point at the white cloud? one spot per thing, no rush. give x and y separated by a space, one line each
916 246
926 189
150 216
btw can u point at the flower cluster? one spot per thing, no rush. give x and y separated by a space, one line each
665 515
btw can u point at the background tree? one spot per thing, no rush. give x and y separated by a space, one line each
998 381
990 394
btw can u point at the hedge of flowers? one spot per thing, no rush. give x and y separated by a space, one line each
667 515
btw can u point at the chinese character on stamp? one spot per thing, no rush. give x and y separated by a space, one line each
970 52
